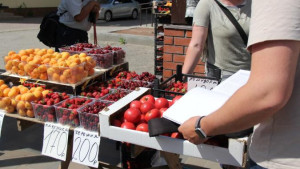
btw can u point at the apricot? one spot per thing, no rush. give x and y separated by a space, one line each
28 106
22 112
91 72
44 76
23 52
38 94
65 54
42 68
14 69
50 51
39 88
82 55
30 113
1 82
11 53
24 90
10 109
1 93
56 77
5 92
18 97
12 93
30 58
21 105
5 102
14 102
21 65
6 58
3 86
9 65
45 92
63 79
21 73
16 57
47 60
30 51
67 73
29 97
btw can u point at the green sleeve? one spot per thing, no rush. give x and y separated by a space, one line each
202 13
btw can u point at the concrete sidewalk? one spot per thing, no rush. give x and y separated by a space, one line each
22 150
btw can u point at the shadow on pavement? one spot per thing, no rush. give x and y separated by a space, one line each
25 160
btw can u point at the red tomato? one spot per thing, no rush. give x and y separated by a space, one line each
132 115
176 135
143 118
147 98
147 106
175 99
128 125
135 104
162 110
142 127
161 103
116 122
152 114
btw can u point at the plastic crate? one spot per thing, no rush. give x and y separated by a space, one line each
68 116
90 121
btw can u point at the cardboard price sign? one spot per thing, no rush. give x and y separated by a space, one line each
55 141
86 147
201 82
2 114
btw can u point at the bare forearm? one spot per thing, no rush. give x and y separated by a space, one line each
191 59
85 11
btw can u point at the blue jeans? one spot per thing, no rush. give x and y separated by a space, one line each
253 165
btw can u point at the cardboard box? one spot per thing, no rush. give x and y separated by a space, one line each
233 155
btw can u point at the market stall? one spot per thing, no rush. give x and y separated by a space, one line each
84 93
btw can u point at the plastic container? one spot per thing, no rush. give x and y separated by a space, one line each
132 84
115 94
103 61
119 56
45 113
36 71
69 116
67 75
90 121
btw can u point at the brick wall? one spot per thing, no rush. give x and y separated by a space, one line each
176 41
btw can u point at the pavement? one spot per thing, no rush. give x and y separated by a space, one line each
22 150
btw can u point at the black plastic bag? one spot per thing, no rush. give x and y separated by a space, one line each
48 29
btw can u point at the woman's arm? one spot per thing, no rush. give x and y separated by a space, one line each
195 49
85 11
268 89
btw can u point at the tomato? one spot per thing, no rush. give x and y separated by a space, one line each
116 122
175 99
135 104
142 127
152 114
132 115
147 98
162 110
128 125
170 103
161 103
176 135
145 107
143 118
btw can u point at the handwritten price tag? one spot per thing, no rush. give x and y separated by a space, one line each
55 142
86 147
201 82
2 114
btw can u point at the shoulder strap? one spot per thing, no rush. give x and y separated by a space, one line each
62 13
234 22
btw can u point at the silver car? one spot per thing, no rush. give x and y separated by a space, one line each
110 9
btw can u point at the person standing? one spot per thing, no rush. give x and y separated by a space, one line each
270 99
226 51
74 18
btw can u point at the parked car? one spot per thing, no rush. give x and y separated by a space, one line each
111 9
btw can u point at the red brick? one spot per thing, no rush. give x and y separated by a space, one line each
169 65
174 32
200 62
173 49
199 69
188 34
168 57
168 40
167 73
179 58
182 41
199 74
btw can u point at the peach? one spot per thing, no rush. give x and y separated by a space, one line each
28 106
22 112
30 113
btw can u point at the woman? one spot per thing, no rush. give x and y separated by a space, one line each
226 52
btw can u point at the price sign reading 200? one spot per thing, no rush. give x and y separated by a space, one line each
86 147
55 142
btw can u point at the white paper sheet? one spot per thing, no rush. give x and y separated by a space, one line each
201 102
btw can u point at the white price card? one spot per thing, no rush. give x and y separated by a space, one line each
201 82
2 114
86 147
55 143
